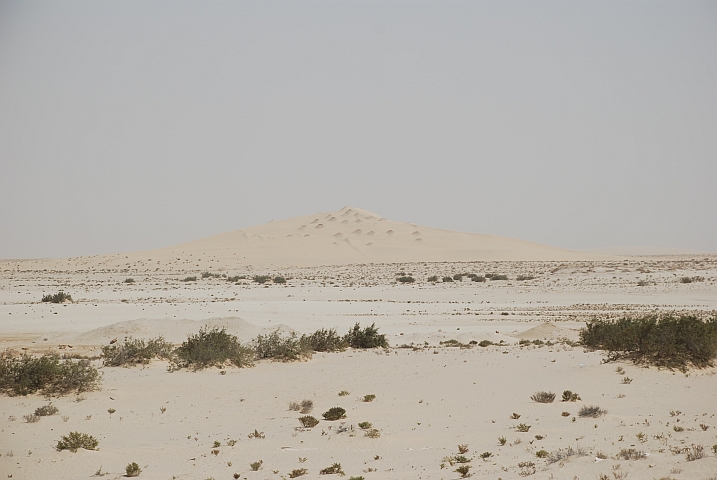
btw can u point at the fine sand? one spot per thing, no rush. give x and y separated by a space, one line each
430 397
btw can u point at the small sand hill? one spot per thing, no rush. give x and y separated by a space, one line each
548 331
347 236
173 330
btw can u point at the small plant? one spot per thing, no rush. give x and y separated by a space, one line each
526 469
256 434
631 454
433 278
620 370
129 280
59 297
46 410
463 470
279 280
65 418
406 279
695 453
111 411
231 443
591 411
217 444
334 469
135 352
496 276
522 278
569 396
32 418
677 428
162 409
306 406
344 393
447 280
485 456
261 279
369 398
565 414
702 426
308 421
463 449
485 343
189 279
357 478
522 427
255 466
76 440
132 470
601 455
686 280
294 406
334 413
298 472
502 441
372 433
515 416
543 397
211 348
566 453
367 337
280 348
542 454
626 380
365 425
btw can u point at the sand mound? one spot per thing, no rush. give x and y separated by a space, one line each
172 329
548 331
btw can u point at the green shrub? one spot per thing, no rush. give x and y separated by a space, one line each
298 472
334 413
447 280
365 425
306 406
75 441
565 454
135 351
369 398
523 427
46 410
189 279
255 466
484 343
344 393
261 278
667 340
59 297
132 470
406 279
464 470
372 433
365 338
496 276
129 280
307 421
236 278
211 348
569 396
591 411
631 454
542 454
458 276
334 469
323 340
686 280
461 459
279 280
48 375
279 348
433 278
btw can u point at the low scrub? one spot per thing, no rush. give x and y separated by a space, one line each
280 348
132 470
496 276
307 421
367 337
334 413
261 278
46 410
631 454
523 278
447 279
565 454
76 440
279 280
569 396
591 411
211 348
334 469
59 297
543 397
134 351
405 279
189 279
323 340
666 340
298 472
47 375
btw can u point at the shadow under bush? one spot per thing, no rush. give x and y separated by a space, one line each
667 340
48 375
211 348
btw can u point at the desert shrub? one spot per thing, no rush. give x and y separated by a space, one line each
279 280
569 396
210 348
280 348
565 454
478 278
433 278
236 278
695 452
565 414
669 340
357 478
464 471
543 397
591 411
642 283
496 276
323 340
458 277
485 343
294 406
686 280
134 351
522 278
406 279
365 425
308 421
447 280
132 470
306 406
59 297
542 454
46 410
76 440
257 435
129 280
367 337
631 454
461 459
334 413
47 374
189 279
334 469
369 398
255 466
523 427
261 278
32 418
514 416
297 472
463 448
372 433
502 440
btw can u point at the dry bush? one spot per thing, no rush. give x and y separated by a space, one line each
591 411
543 397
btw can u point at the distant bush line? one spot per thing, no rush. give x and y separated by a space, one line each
665 340
59 297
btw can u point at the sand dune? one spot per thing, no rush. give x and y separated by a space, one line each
348 236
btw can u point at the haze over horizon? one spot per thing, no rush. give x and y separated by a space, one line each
131 126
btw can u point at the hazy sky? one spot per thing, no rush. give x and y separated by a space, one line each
133 125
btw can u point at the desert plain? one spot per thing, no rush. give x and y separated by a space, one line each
438 391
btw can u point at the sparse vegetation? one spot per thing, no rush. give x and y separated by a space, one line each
523 278
334 413
76 440
406 279
367 337
485 343
365 425
463 448
255 466
496 276
190 279
668 340
464 471
344 393
59 297
334 469
308 421
447 280
502 441
542 454
523 427
323 340
280 348
591 411
261 278
211 348
132 470
566 453
569 396
631 454
47 374
279 279
46 410
369 398
129 280
257 435
695 452
134 351
372 433
433 279
306 406
298 472
543 397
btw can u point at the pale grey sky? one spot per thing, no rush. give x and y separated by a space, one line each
130 125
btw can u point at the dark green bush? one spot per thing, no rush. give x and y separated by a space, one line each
132 470
129 280
484 343
433 278
48 375
279 280
365 338
261 278
135 351
323 340
496 276
59 297
46 410
210 348
75 441
236 278
667 340
447 279
334 413
189 279
458 276
280 348
406 279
